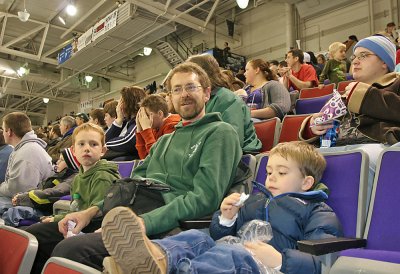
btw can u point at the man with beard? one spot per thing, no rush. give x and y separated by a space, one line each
198 161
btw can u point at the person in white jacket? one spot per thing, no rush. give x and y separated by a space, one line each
29 163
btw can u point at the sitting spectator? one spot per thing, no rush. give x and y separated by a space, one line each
321 61
312 60
121 136
295 210
67 126
266 97
350 43
373 104
153 121
298 75
335 69
388 32
89 186
81 118
235 83
97 118
200 157
231 107
39 202
29 164
110 113
54 136
5 151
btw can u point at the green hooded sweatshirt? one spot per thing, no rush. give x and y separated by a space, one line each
198 161
91 185
237 114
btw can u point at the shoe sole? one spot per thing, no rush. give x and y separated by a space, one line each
124 239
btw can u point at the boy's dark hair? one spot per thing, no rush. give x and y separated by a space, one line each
274 62
310 161
132 96
98 114
18 122
87 127
111 108
155 103
283 63
297 53
390 24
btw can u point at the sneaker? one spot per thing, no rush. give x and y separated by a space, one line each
131 251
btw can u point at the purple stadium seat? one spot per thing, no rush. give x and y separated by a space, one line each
311 105
125 167
383 223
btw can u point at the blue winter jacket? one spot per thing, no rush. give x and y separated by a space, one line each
125 143
293 217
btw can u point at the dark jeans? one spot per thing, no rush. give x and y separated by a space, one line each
49 239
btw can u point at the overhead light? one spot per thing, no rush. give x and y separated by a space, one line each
242 3
147 51
61 20
23 15
46 100
23 70
88 78
71 9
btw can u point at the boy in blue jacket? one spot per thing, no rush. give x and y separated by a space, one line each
289 202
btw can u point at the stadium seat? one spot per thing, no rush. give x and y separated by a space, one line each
316 91
17 250
342 86
382 253
61 265
125 167
311 105
267 131
290 127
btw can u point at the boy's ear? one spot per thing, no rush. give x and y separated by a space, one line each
308 183
103 151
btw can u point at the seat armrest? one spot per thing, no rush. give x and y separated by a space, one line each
330 245
196 224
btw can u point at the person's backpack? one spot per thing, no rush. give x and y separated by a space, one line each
140 195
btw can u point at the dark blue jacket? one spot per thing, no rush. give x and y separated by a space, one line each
293 217
125 143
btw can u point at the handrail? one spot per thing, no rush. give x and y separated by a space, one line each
181 44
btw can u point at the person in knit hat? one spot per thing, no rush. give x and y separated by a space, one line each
39 202
372 121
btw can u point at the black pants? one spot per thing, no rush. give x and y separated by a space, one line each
50 239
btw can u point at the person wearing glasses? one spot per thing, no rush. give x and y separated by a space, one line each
198 161
373 103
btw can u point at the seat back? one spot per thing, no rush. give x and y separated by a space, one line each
290 127
65 266
346 176
267 131
251 162
383 223
311 105
342 86
125 167
17 250
316 92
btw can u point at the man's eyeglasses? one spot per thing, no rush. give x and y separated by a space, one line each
361 56
189 88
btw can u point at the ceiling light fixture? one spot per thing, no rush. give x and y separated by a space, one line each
23 15
88 78
71 9
23 70
147 51
61 20
242 3
46 100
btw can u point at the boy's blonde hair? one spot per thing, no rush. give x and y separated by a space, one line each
335 46
88 127
310 161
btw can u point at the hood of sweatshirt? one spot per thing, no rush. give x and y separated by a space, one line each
101 165
30 137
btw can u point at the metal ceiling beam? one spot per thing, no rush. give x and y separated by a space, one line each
211 13
31 56
25 35
12 91
57 48
43 40
27 112
99 4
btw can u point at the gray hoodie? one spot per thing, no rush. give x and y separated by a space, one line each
28 165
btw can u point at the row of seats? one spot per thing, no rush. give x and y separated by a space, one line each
346 176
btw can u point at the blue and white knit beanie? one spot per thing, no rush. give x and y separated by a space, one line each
382 47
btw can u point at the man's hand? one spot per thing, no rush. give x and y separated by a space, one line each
319 129
285 71
81 218
228 209
265 253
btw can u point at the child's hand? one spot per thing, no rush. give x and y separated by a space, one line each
265 253
228 209
47 219
14 200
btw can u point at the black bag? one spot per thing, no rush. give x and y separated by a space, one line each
140 195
